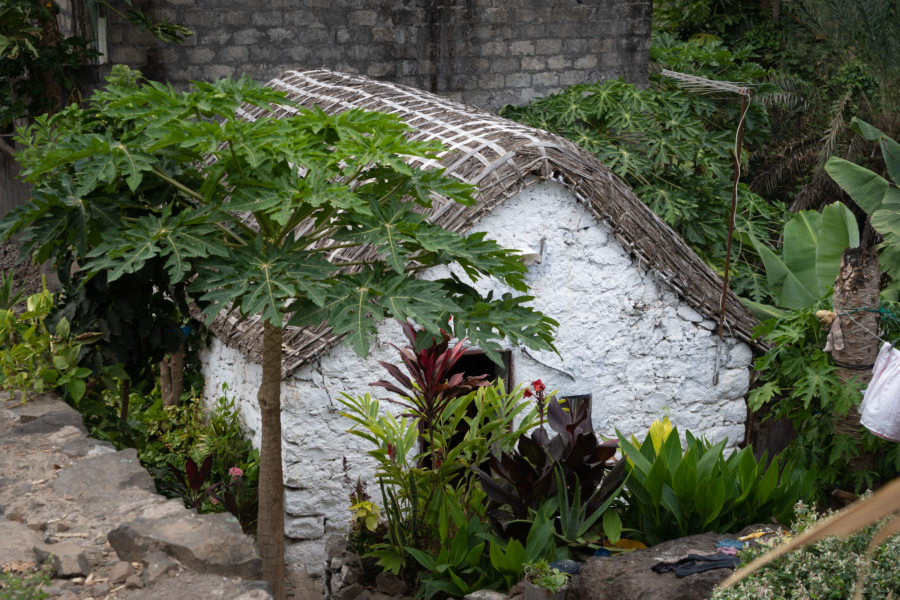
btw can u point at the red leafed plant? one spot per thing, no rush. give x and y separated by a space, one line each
429 387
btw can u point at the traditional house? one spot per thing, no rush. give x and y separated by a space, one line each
638 310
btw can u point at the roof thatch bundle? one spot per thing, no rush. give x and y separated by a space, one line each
501 158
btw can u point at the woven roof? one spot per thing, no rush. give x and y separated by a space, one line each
502 158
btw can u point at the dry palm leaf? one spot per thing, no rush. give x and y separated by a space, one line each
856 517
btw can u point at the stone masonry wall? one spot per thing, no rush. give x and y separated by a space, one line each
624 338
482 52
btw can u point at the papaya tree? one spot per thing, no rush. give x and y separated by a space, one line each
251 213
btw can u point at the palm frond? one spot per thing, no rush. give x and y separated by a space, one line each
836 126
784 167
790 94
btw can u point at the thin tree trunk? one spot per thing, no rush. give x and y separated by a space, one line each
125 396
855 294
171 377
270 525
176 369
165 382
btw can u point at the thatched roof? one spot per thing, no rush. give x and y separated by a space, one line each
502 158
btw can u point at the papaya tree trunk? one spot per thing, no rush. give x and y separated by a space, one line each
855 294
270 524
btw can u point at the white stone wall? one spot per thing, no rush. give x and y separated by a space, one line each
623 337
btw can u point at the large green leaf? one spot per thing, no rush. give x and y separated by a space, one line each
787 288
801 238
838 232
812 249
865 187
890 149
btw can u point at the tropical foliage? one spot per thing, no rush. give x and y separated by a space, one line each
672 492
811 258
34 360
877 196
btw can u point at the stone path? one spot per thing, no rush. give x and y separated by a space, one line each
92 514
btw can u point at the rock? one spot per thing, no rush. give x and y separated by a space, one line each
66 558
355 592
17 542
55 588
486 595
204 543
392 585
157 564
121 571
104 476
47 415
629 576
99 590
255 593
86 448
67 595
134 582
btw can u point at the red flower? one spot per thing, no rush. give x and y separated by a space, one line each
527 393
538 386
392 451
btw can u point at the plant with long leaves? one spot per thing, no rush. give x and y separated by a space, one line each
428 390
145 172
522 480
413 489
879 197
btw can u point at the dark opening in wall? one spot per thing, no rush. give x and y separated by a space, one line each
476 362
471 364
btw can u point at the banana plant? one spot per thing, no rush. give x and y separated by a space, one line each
876 195
810 259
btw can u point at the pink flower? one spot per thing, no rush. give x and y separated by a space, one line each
214 501
538 386
235 472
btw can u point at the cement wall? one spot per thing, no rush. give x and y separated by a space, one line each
624 338
482 52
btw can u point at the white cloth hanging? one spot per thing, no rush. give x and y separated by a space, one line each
880 408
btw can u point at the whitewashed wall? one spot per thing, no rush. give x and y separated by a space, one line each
623 337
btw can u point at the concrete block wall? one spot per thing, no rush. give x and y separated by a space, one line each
482 52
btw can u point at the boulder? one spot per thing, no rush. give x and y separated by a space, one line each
121 571
103 476
629 576
67 558
157 564
16 543
390 584
204 543
47 415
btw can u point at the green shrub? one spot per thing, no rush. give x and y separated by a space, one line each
825 570
176 435
23 586
797 380
672 492
417 493
34 360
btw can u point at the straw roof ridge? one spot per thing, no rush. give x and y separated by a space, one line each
502 158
